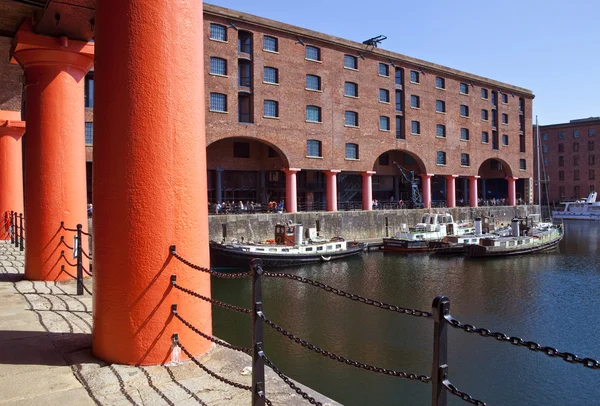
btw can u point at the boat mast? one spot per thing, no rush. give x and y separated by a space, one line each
539 182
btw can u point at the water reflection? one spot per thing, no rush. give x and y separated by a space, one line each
550 298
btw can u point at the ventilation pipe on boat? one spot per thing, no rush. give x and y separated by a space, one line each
515 227
478 228
299 234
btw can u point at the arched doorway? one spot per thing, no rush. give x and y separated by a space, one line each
493 186
245 169
396 173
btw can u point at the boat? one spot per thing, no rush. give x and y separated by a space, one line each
289 248
484 227
527 236
583 209
427 235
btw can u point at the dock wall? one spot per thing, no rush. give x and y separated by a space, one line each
348 224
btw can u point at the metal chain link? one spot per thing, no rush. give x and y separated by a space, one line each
530 345
208 371
289 382
339 358
210 300
225 275
463 395
339 292
210 338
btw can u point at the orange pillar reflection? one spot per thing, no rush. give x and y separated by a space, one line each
11 167
150 187
55 184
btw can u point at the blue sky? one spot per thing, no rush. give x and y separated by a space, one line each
551 47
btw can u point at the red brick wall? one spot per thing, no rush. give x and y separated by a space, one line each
10 85
549 137
290 132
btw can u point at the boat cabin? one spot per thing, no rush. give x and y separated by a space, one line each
288 234
434 221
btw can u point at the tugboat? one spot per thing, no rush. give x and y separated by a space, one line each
427 235
527 236
289 248
584 209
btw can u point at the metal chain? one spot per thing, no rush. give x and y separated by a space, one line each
289 382
85 253
267 401
224 275
530 345
213 301
211 338
211 373
463 395
339 358
74 230
86 271
339 292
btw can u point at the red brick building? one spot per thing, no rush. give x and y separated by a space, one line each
320 121
568 159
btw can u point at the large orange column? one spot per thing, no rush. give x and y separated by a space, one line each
451 191
11 167
512 190
426 188
150 187
473 199
291 191
367 190
331 188
55 181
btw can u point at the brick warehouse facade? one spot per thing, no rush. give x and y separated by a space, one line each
568 159
458 132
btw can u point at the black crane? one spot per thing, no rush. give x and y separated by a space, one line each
417 201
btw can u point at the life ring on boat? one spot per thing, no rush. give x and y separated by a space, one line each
325 259
278 240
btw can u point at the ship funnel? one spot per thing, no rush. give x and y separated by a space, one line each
592 197
478 228
515 227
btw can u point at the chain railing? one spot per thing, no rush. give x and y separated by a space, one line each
14 226
440 314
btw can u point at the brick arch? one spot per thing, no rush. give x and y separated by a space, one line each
396 155
486 171
219 154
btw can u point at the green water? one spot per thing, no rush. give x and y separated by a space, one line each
551 298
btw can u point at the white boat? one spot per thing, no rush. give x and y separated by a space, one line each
583 209
433 227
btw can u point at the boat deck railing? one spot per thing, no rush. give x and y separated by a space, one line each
438 377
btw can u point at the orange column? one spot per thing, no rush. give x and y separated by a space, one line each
291 195
11 167
331 188
426 187
512 191
367 190
150 186
55 184
451 191
473 200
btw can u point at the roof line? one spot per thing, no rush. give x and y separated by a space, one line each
325 38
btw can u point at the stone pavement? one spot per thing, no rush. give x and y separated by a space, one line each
45 356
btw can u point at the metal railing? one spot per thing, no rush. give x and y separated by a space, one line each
15 230
440 314
78 254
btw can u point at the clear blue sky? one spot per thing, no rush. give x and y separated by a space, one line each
551 47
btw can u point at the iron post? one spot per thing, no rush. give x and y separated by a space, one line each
258 364
16 229
439 369
11 228
21 231
79 262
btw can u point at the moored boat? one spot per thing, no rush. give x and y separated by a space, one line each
289 248
427 235
535 238
584 209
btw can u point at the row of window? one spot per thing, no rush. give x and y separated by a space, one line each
576 191
561 147
561 134
465 160
561 160
271 44
591 175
